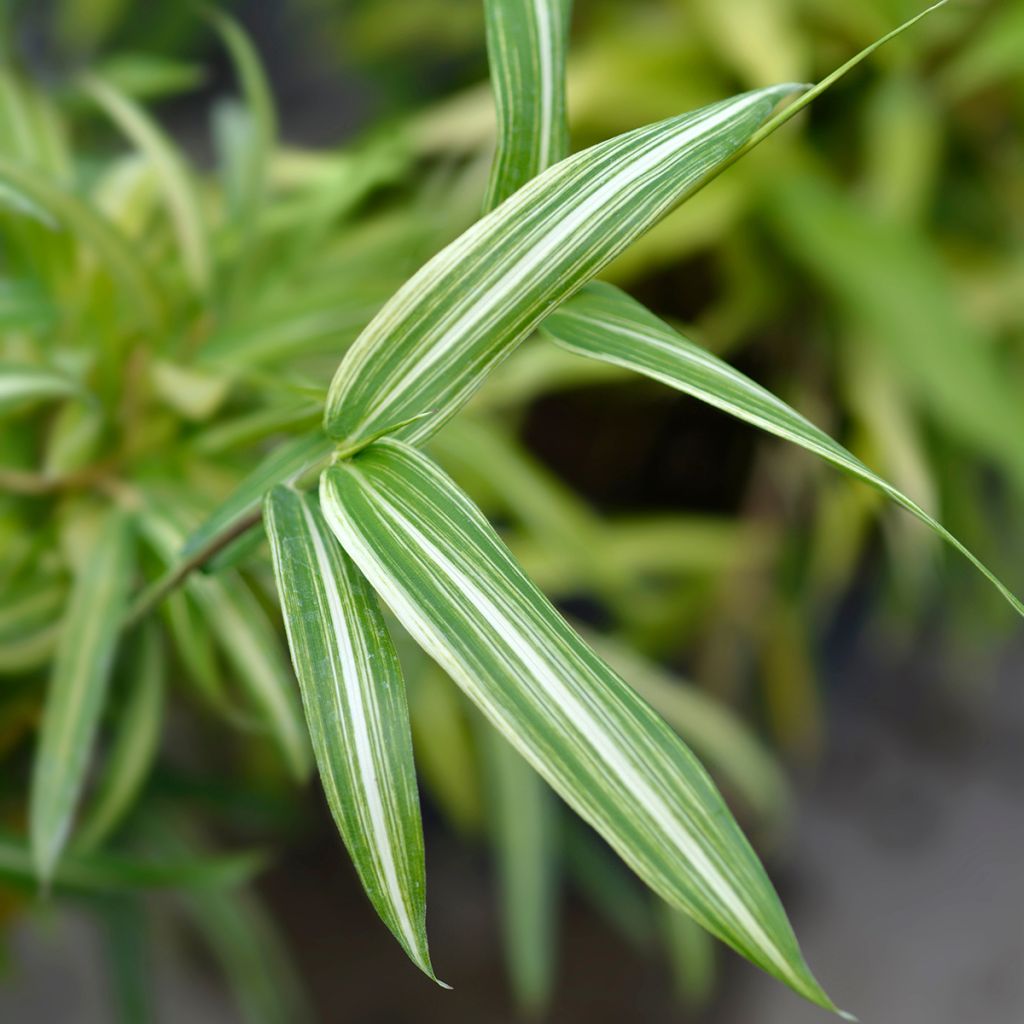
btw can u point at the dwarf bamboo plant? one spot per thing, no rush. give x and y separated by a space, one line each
366 525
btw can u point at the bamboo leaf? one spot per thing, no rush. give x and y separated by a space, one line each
455 587
282 465
605 323
354 696
526 44
77 690
178 187
467 308
135 745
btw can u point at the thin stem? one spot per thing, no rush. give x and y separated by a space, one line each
152 595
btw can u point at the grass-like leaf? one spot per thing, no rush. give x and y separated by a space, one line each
431 345
167 162
604 323
524 823
77 689
354 697
454 585
135 743
526 44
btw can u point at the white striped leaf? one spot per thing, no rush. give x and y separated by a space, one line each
354 696
431 345
604 323
77 689
526 44
456 588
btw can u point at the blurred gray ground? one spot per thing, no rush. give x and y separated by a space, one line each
904 883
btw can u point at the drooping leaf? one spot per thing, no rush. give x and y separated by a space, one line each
691 955
135 742
605 323
354 696
431 345
455 587
77 689
174 177
526 44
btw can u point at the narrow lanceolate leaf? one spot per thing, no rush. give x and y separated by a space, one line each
135 742
77 690
524 820
526 43
22 385
178 187
354 697
282 465
454 585
432 344
604 323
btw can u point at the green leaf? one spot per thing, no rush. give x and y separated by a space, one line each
282 465
523 824
605 323
135 743
171 171
456 588
23 385
96 872
354 697
432 344
526 44
77 689
691 955
260 124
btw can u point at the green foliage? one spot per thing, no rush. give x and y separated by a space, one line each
169 338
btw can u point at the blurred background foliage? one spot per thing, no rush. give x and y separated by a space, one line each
867 265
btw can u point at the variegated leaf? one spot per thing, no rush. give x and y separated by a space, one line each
77 689
431 345
354 697
604 323
456 588
526 44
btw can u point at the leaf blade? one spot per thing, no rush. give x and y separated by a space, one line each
455 587
77 690
604 323
354 698
467 308
526 44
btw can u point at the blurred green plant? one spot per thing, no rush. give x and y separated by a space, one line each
164 331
